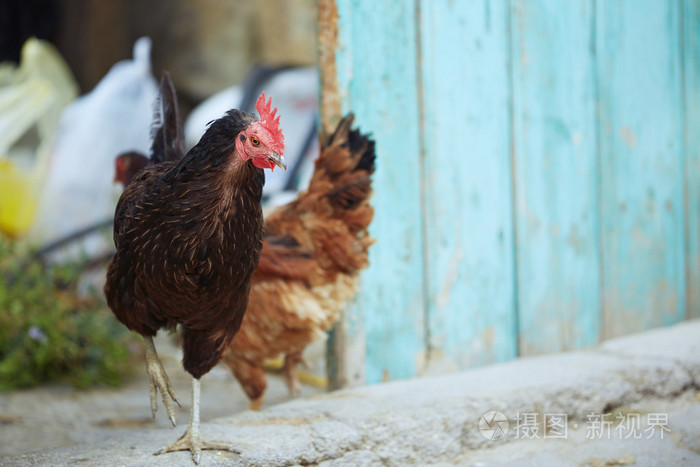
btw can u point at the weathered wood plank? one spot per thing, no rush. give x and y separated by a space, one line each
642 164
376 63
467 189
346 345
584 112
691 69
556 169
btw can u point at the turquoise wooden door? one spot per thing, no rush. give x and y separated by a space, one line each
538 181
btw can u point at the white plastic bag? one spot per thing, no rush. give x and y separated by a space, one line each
113 118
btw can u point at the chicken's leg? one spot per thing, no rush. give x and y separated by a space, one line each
158 380
290 374
192 439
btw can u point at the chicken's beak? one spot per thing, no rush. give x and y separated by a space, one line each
278 160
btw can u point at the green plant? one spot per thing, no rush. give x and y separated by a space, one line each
48 332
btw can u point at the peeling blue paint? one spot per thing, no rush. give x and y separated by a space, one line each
538 181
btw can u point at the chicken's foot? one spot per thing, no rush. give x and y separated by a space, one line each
290 373
158 381
256 403
191 440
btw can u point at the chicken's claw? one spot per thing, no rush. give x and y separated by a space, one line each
191 440
158 381
195 444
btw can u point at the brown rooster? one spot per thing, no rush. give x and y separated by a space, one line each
188 235
313 250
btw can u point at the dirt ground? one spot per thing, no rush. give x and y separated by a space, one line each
58 415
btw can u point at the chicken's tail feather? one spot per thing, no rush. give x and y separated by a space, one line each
329 220
343 171
361 146
348 162
166 131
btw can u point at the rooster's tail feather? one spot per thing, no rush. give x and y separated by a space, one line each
166 131
344 169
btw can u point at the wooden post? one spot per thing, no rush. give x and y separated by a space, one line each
369 66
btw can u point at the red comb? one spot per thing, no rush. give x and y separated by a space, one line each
270 122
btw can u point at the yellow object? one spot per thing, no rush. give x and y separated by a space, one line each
32 98
313 379
19 198
305 376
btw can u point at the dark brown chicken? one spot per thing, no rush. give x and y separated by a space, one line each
188 235
314 247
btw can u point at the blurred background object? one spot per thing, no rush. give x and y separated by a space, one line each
112 118
50 332
205 45
23 19
33 96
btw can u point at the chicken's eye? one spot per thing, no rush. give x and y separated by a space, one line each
254 141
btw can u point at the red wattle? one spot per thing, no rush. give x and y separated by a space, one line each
263 163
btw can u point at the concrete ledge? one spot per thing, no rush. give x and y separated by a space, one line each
435 420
